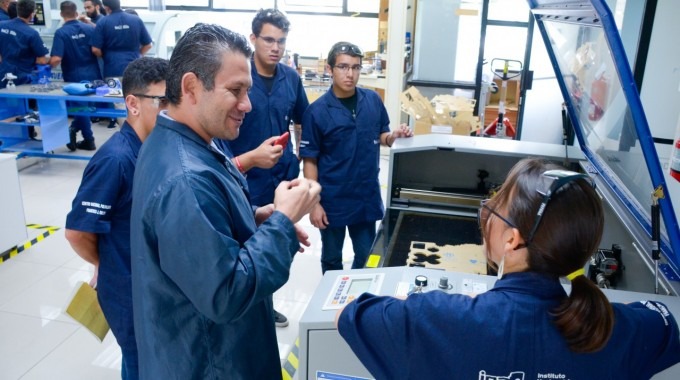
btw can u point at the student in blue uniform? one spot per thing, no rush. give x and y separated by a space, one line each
119 38
4 6
341 136
20 45
72 49
205 264
526 326
98 226
277 98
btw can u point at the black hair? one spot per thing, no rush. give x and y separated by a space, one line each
200 51
270 16
343 47
113 4
143 72
25 8
12 10
68 9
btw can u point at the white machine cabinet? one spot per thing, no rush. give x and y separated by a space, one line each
13 222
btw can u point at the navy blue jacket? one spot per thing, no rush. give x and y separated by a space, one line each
203 272
505 333
73 43
347 150
20 45
271 115
120 36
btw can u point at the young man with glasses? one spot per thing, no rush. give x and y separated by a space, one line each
340 147
98 226
278 99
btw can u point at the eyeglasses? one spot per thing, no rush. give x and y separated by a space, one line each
482 217
269 41
551 182
345 68
158 101
348 48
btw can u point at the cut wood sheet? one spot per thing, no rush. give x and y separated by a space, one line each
466 258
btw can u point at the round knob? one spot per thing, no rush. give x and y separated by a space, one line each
421 281
444 283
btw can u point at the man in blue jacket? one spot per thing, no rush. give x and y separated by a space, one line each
278 99
341 137
72 49
119 38
204 263
20 45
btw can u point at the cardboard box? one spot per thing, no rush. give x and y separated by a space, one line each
445 114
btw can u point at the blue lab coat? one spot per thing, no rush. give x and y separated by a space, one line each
347 150
271 116
120 35
203 272
20 45
4 16
102 206
73 43
506 333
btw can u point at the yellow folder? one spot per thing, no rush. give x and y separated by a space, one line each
85 309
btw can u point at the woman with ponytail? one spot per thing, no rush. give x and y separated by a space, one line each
542 225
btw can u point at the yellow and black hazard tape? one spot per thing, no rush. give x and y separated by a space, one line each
291 365
49 230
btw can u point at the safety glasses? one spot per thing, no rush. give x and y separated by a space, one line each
349 49
551 182
158 101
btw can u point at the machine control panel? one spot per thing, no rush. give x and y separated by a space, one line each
421 284
348 287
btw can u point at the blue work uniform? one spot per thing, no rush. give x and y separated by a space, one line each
505 333
120 36
346 145
102 206
271 116
4 16
347 149
203 272
73 43
20 45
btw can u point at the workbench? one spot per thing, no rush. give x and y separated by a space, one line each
54 107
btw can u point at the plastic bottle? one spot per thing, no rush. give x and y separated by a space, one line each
675 161
675 155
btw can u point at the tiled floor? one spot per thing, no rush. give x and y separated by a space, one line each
38 340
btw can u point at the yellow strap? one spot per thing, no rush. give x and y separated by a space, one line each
571 276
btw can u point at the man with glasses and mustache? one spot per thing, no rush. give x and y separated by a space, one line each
98 226
340 147
278 99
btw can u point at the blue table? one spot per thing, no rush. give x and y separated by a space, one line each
54 107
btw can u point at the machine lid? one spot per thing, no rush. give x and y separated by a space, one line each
605 109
